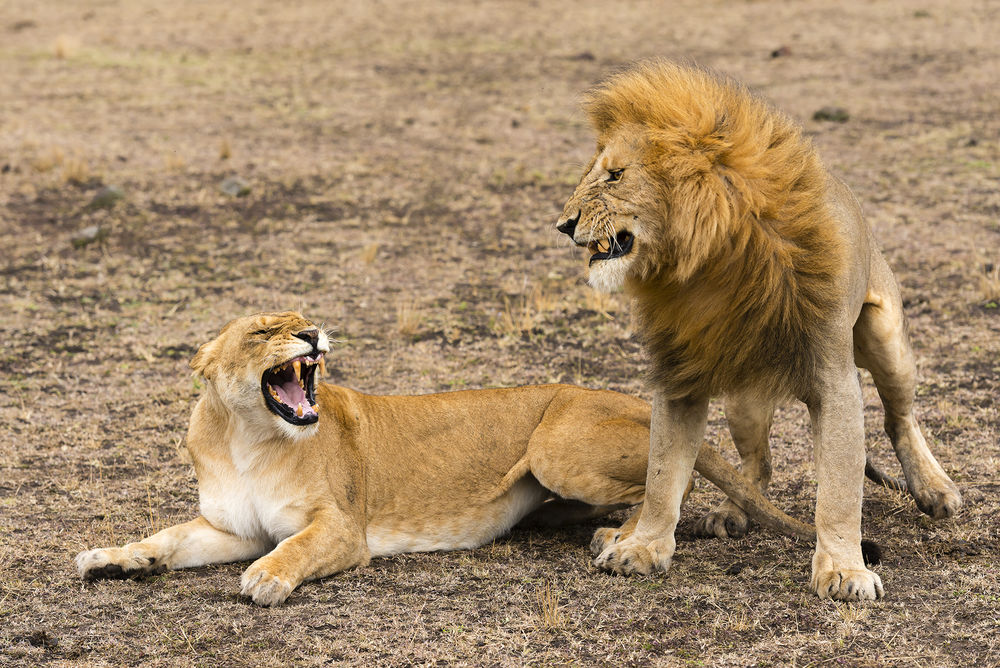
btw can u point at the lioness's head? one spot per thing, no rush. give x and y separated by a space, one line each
263 367
685 158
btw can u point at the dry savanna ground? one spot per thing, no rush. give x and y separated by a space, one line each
400 166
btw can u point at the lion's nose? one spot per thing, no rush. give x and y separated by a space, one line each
568 226
310 336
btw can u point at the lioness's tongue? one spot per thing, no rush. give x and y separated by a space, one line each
291 393
293 396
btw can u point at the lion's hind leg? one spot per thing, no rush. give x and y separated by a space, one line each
881 346
749 424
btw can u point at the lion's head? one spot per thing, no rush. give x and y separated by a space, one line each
710 208
263 368
685 159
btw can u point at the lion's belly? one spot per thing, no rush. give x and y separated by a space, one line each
472 526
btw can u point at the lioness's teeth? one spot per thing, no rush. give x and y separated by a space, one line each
322 366
603 246
297 365
298 410
315 408
273 393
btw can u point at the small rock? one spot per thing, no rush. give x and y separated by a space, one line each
234 186
18 26
832 114
584 55
781 52
41 638
736 568
89 235
964 547
106 198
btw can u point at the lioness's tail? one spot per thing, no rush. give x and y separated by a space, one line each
718 471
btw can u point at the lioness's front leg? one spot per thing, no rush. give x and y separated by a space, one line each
676 430
838 569
194 543
330 543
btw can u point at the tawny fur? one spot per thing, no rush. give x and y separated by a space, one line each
754 276
378 475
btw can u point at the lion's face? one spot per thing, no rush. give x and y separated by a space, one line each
614 213
263 368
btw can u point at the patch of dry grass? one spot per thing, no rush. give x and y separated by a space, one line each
408 161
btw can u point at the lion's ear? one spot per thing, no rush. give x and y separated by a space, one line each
203 362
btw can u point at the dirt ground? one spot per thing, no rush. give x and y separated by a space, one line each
405 163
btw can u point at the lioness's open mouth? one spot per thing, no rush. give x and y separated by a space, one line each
611 248
290 389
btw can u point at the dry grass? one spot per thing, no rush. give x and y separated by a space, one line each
409 318
407 162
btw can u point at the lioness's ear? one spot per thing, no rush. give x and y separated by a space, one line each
203 362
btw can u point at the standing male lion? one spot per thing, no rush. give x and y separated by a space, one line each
754 276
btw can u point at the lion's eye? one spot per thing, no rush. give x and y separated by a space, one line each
259 332
614 175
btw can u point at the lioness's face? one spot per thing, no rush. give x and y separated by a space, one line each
264 367
611 213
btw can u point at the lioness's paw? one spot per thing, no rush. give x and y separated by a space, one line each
939 498
845 584
112 563
727 521
605 538
263 587
632 556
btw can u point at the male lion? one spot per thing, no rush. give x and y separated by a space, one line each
310 479
754 276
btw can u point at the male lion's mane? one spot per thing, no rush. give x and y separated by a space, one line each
740 282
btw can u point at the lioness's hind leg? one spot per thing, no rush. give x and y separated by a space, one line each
881 346
749 424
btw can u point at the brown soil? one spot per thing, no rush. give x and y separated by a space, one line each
406 162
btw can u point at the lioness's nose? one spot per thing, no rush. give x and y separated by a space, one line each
310 336
568 226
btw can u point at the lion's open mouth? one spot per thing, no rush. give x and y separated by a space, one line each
290 389
612 247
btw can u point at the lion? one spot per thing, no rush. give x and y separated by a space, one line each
754 277
309 478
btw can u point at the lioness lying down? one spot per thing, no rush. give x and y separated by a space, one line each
310 479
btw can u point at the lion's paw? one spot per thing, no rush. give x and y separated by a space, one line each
939 498
726 521
605 538
112 563
847 584
263 587
633 556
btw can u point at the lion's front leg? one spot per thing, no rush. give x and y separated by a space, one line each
193 543
838 569
676 430
330 543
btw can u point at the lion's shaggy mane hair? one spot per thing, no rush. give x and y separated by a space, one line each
744 274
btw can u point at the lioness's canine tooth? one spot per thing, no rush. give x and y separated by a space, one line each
322 365
298 410
297 365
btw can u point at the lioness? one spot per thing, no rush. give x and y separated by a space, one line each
754 276
310 479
